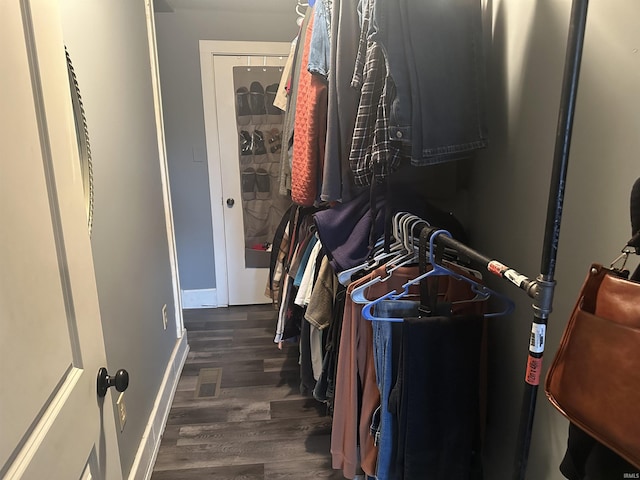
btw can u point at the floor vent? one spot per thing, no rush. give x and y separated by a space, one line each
208 385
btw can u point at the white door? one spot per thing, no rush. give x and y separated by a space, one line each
243 146
51 346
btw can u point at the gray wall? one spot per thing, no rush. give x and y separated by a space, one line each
108 45
511 186
178 35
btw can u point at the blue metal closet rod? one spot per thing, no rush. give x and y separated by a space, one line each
541 289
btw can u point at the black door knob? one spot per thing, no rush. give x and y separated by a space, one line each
230 202
120 380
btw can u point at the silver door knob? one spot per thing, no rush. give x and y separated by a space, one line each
230 202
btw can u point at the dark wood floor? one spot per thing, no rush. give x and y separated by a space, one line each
252 424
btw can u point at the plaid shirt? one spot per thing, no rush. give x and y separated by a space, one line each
367 8
372 150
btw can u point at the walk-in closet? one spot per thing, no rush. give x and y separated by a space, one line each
295 239
452 170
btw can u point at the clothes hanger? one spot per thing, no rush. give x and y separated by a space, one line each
405 244
299 6
344 277
396 247
301 14
411 247
383 257
437 269
405 222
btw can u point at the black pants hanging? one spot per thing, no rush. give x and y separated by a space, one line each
436 399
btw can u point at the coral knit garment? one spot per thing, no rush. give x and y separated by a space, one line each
310 131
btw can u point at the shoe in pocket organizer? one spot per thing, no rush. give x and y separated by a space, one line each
243 109
256 103
246 143
248 182
273 142
263 184
257 143
269 97
259 147
274 114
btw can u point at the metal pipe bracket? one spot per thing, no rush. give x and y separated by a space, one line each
542 294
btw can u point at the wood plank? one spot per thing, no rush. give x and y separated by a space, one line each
246 379
221 334
193 368
230 315
241 453
254 332
296 408
280 364
211 339
231 411
249 394
233 472
316 468
250 431
222 352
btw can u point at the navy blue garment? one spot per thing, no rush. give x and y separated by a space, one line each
436 398
346 230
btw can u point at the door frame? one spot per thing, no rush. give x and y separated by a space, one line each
209 49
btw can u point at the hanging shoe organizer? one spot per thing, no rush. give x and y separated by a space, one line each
259 126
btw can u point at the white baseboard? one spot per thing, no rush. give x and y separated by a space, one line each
203 298
150 443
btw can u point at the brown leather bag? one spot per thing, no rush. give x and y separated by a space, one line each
594 379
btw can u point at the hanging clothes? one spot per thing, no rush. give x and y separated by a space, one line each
353 411
374 156
367 99
337 178
320 48
439 104
280 100
435 398
289 117
309 131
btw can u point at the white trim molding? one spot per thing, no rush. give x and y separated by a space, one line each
150 442
202 298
